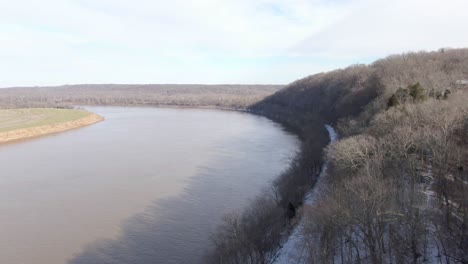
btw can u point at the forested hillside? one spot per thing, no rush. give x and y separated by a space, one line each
399 183
221 96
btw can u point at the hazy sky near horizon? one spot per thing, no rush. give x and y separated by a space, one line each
54 42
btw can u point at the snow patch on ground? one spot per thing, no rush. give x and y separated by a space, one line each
294 250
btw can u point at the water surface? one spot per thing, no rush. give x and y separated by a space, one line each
148 185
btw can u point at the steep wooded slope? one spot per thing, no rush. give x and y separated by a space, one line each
398 191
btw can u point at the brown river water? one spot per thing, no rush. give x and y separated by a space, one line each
147 185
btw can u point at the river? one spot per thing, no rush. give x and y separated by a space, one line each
147 185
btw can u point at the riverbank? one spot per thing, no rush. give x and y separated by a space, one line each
294 250
19 124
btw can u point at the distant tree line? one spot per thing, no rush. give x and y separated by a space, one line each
220 96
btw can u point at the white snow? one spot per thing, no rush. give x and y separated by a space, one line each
294 249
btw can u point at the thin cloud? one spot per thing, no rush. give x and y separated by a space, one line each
210 41
379 28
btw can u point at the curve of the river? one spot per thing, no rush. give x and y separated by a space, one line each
148 185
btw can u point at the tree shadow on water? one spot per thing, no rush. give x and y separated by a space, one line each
174 230
177 229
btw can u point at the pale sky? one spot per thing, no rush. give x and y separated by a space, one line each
54 42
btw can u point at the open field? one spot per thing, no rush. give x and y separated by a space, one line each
12 119
31 122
